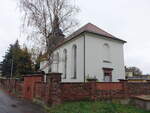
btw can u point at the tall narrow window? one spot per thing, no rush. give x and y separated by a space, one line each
106 53
74 61
65 64
57 62
52 62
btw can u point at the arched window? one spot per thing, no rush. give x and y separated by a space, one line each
74 61
64 63
57 62
106 52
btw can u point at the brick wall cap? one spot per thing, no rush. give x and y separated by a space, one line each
33 75
142 97
122 80
54 73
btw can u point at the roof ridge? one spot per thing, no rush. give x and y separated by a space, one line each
91 28
101 30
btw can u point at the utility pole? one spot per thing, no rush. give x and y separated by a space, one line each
11 67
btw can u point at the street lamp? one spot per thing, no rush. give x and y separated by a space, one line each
11 67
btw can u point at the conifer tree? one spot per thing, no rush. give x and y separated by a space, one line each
17 59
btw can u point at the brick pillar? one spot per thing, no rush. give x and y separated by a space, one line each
55 91
29 85
125 87
93 89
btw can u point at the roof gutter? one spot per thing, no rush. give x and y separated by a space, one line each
114 38
84 57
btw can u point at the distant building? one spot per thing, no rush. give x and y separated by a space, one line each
131 77
138 78
129 74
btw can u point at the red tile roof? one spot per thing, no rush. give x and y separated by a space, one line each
90 28
93 29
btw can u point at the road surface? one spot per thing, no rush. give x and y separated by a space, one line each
9 104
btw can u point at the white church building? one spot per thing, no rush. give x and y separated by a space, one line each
90 52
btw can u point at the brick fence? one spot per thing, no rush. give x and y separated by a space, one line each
54 92
12 86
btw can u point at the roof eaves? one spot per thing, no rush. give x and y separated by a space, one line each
107 36
71 37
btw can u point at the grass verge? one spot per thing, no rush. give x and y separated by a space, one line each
93 107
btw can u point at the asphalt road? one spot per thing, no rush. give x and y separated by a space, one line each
9 104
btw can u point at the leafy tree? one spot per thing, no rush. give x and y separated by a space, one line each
25 63
19 59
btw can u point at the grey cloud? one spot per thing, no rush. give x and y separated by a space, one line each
126 19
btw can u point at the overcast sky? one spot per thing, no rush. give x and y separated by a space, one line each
125 19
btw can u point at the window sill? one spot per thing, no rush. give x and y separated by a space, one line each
73 78
105 61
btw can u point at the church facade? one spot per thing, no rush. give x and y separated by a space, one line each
89 53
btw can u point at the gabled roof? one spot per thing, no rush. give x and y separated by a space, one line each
90 28
93 29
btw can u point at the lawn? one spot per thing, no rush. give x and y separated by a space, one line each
94 107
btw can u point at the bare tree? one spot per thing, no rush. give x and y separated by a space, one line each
136 71
46 19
